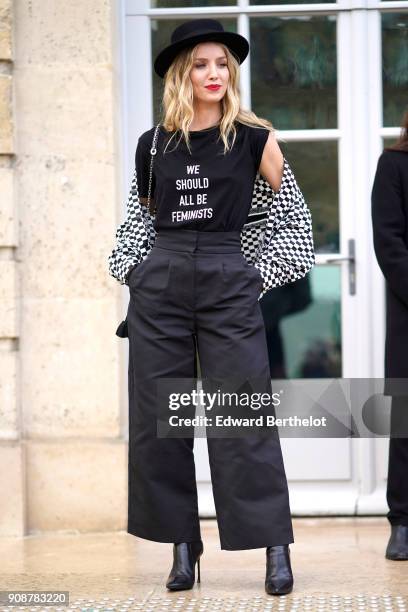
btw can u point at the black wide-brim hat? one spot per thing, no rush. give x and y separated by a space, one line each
195 31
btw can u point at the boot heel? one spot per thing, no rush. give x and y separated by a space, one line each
185 556
198 570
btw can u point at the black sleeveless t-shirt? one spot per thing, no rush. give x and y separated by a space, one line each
205 190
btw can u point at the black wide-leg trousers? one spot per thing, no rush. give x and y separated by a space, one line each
195 291
397 484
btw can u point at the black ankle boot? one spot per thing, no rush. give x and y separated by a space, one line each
397 549
185 556
279 578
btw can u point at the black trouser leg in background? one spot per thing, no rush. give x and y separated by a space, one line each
397 484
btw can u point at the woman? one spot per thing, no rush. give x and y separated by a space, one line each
192 288
390 230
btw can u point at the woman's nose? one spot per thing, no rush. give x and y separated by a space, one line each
213 71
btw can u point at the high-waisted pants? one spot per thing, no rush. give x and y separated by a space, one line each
196 292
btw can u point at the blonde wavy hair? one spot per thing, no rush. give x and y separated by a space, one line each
178 100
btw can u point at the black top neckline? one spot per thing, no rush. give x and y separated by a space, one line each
212 127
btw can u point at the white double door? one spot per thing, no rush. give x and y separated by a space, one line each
326 476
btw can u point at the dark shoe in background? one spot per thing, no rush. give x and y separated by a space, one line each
279 578
397 549
185 556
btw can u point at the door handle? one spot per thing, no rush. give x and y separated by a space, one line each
351 258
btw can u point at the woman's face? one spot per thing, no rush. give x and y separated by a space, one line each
209 68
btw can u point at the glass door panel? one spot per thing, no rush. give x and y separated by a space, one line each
394 28
293 71
310 162
294 84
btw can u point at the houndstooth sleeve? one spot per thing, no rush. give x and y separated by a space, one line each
134 237
287 250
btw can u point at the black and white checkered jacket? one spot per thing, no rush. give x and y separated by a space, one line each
277 236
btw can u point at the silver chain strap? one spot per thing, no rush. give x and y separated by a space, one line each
153 152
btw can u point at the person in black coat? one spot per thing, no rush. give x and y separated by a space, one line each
389 209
